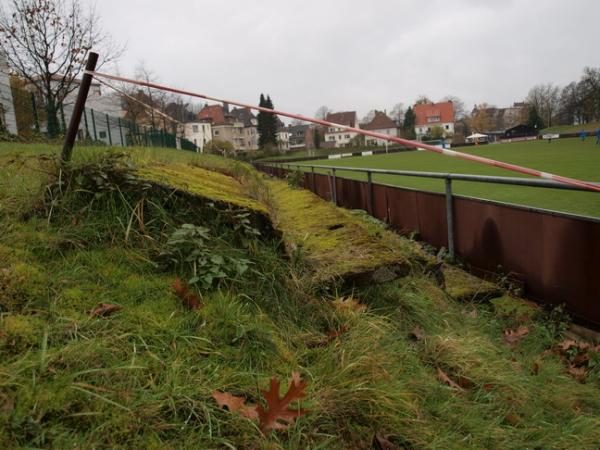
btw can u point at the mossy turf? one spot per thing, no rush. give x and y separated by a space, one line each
335 242
205 183
143 377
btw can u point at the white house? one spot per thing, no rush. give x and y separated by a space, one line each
7 109
432 115
198 132
283 139
382 124
337 136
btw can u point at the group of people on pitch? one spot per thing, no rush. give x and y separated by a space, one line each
583 135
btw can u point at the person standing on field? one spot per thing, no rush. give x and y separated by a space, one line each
583 135
598 137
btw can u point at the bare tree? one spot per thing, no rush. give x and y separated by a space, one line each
322 112
397 113
47 42
368 117
545 98
459 106
423 100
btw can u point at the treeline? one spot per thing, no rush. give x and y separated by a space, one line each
576 103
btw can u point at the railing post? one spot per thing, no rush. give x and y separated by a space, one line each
312 169
370 189
108 128
450 217
121 132
84 88
334 190
94 125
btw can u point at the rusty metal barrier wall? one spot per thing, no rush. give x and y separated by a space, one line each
556 256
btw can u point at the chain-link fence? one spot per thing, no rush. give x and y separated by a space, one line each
23 113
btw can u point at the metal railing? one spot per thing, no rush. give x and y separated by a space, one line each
447 177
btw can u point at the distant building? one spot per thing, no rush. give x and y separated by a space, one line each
337 136
237 126
301 137
7 108
199 132
380 123
434 114
503 119
283 139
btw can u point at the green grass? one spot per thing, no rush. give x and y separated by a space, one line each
143 377
567 157
592 126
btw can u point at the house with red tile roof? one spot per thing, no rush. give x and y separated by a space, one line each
237 126
337 136
380 123
434 114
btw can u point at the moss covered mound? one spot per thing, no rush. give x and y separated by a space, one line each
337 242
463 286
201 182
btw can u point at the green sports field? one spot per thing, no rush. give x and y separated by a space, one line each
567 157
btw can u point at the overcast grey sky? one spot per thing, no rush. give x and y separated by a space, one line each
357 54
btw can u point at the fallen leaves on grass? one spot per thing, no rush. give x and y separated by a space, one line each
348 303
513 337
189 299
444 378
575 356
104 310
383 443
277 415
235 404
417 333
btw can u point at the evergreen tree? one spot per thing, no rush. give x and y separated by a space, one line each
317 138
409 124
534 120
267 124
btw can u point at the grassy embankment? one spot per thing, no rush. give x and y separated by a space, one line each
143 376
567 157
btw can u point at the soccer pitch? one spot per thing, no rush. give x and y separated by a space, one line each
567 157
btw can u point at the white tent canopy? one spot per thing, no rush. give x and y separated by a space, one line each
477 136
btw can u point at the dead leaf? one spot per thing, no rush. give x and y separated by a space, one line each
104 310
348 303
444 378
513 337
235 404
579 373
488 387
535 369
382 443
277 408
190 300
512 419
473 314
334 334
417 333
581 359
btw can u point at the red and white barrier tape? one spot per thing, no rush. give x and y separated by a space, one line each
398 140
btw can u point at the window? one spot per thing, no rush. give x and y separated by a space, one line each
216 132
194 128
447 127
432 119
102 135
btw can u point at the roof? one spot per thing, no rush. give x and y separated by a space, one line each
214 113
243 115
432 113
347 118
380 121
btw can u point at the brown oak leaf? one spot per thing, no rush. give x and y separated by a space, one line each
513 337
417 333
235 404
383 443
104 310
444 378
189 299
277 410
334 334
579 373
